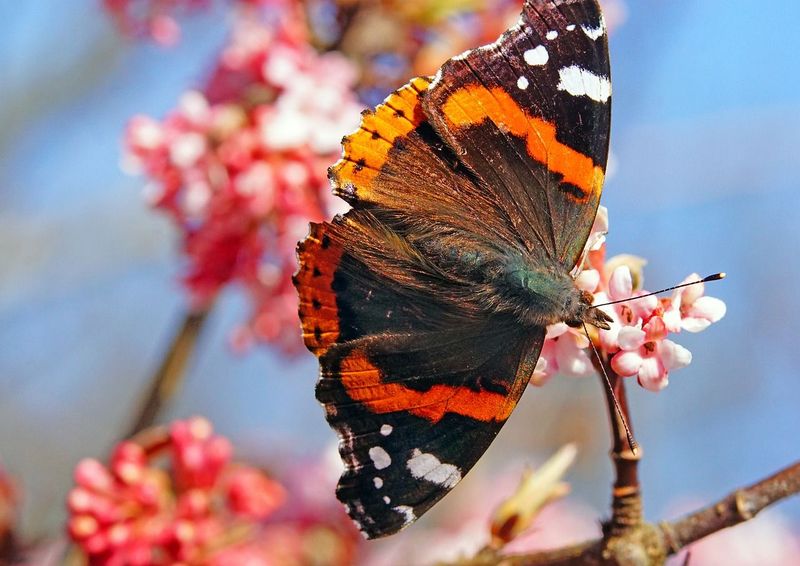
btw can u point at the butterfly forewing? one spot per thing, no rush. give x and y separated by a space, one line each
530 114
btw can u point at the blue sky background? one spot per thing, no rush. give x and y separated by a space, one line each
706 135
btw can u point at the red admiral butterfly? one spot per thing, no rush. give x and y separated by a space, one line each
473 194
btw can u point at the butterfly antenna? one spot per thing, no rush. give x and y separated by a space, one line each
715 277
631 441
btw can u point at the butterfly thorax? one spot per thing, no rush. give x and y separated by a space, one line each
538 291
542 293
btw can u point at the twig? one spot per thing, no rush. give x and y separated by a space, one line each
166 381
626 505
738 507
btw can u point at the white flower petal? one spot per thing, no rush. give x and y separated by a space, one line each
620 286
673 356
626 363
709 308
652 375
672 319
556 330
572 360
630 338
540 374
691 324
588 280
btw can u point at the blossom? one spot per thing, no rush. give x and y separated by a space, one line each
240 167
133 511
636 345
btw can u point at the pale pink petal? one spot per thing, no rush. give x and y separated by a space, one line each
546 365
620 286
626 363
691 324
674 356
588 280
540 374
672 317
630 338
693 292
652 374
572 360
709 308
556 330
644 307
609 339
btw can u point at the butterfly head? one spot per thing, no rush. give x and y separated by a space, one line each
583 312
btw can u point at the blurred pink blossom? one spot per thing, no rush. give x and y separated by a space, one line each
241 167
136 512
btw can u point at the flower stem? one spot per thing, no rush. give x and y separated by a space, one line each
168 378
626 506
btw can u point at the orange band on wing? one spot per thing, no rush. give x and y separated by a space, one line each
475 104
366 150
319 257
362 381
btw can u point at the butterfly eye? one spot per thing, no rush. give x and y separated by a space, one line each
587 298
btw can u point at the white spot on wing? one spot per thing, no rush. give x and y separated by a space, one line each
571 27
379 457
537 56
522 83
386 429
428 467
580 82
378 482
552 34
595 33
386 499
407 512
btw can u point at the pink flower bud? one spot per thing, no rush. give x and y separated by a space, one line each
252 494
92 475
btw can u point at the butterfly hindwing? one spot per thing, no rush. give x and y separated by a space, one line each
397 355
530 114
415 411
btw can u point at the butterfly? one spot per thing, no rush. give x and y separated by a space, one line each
472 196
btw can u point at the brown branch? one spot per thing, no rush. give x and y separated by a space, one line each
166 381
738 507
626 504
650 544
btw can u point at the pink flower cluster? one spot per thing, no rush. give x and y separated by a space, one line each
637 344
133 512
241 167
